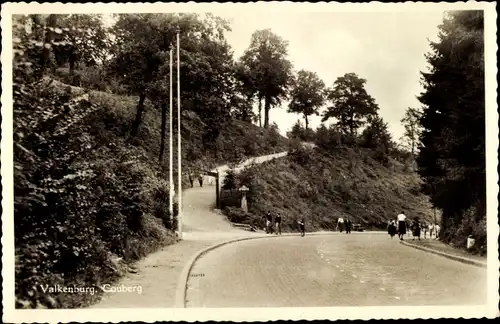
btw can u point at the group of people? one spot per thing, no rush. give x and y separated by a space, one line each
415 228
192 176
276 229
344 225
269 223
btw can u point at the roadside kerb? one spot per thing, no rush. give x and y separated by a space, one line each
181 292
447 255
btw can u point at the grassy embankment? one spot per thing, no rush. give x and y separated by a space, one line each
118 213
322 186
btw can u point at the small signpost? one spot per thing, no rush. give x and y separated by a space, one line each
244 190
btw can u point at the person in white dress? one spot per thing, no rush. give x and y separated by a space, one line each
401 225
437 228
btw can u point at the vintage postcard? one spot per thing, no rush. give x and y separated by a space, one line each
249 161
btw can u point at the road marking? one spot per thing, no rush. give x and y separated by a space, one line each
397 297
383 289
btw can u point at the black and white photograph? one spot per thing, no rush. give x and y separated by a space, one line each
249 161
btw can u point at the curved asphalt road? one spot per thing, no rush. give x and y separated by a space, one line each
361 269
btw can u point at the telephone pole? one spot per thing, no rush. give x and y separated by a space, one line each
179 154
170 150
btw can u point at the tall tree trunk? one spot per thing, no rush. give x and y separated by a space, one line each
138 115
163 130
307 122
49 36
260 112
267 107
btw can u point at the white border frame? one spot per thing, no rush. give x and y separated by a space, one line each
246 314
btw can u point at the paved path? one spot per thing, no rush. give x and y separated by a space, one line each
202 227
362 269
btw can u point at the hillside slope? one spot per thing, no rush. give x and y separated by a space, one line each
322 186
89 199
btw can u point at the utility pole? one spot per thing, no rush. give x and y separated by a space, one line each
179 155
170 150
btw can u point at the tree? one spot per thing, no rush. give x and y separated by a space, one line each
271 70
411 122
376 135
84 38
452 150
307 95
206 64
352 106
141 44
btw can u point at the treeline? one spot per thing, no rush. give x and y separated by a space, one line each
451 156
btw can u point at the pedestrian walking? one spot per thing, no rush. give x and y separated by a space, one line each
340 224
431 230
437 229
200 179
392 228
302 227
348 226
401 225
269 219
277 221
416 229
191 179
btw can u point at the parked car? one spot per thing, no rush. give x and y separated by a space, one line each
358 228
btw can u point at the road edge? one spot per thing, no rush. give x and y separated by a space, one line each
181 291
447 255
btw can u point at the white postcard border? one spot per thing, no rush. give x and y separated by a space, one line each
246 314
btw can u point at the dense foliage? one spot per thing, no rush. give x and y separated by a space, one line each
452 150
81 200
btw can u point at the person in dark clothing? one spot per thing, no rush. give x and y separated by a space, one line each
416 229
269 219
302 227
348 226
191 179
200 179
392 229
277 222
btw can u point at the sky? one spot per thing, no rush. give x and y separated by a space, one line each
385 48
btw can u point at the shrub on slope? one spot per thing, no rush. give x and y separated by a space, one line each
322 186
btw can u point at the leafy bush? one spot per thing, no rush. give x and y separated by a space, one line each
457 233
237 215
230 198
328 138
229 180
